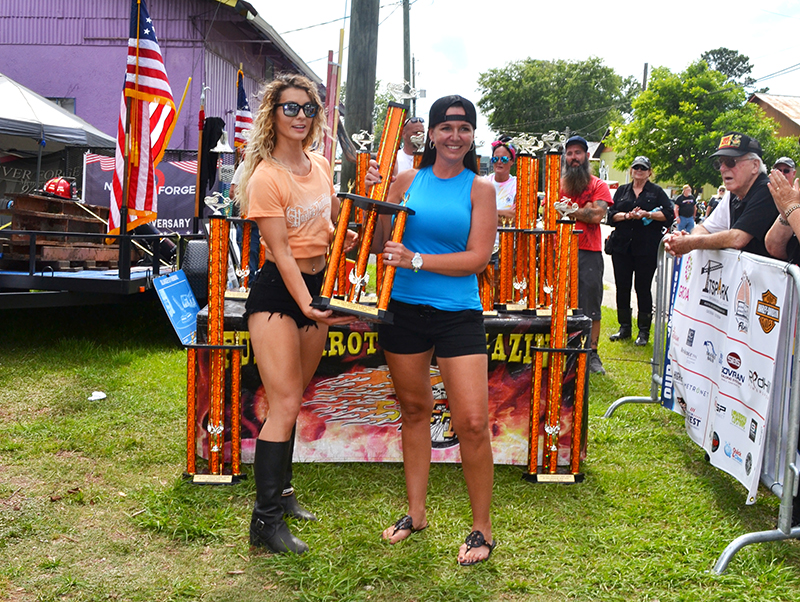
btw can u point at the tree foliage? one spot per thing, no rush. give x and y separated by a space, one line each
679 120
535 96
735 66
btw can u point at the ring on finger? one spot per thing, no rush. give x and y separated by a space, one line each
389 257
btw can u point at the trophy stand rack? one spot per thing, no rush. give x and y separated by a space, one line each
218 352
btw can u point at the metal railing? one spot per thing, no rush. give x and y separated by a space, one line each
782 439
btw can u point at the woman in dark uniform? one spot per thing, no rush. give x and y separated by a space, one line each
640 213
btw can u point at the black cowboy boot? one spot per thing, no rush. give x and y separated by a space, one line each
291 507
644 321
624 318
267 527
624 332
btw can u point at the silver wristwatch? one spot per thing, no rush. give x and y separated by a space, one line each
416 262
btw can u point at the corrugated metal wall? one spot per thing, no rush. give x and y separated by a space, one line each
102 22
199 38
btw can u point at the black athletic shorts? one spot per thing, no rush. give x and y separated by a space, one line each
419 328
269 294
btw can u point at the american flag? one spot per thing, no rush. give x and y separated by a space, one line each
151 122
244 118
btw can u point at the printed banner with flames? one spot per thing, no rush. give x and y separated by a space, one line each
351 414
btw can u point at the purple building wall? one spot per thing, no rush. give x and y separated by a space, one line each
77 49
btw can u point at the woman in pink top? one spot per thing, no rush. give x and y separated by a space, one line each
290 195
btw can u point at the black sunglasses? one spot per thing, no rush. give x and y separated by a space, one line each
413 120
640 168
729 162
291 109
785 171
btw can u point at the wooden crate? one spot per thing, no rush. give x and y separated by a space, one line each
50 214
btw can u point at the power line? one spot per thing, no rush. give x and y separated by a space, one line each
344 18
778 73
563 117
325 58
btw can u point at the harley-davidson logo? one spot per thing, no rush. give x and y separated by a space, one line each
768 311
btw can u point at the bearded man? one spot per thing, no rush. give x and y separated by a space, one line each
593 198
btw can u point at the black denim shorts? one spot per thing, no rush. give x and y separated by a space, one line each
419 328
269 294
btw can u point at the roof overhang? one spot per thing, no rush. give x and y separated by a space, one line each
246 10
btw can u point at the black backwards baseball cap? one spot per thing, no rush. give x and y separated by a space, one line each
735 144
439 108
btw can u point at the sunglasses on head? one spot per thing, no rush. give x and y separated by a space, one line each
414 120
291 109
501 159
640 168
729 162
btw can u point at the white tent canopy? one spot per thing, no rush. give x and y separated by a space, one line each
27 118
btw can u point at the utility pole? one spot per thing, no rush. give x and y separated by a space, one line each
644 78
413 85
406 50
362 61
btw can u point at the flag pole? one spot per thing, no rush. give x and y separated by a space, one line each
202 119
124 240
180 106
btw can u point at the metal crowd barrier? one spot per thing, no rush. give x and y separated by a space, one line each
781 445
660 319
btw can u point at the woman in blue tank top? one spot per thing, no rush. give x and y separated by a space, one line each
437 310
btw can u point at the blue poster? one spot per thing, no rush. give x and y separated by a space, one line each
178 300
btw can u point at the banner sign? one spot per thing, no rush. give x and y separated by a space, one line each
18 176
175 187
727 318
350 412
666 381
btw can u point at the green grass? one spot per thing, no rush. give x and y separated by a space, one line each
93 506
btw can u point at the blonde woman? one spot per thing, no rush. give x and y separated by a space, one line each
287 189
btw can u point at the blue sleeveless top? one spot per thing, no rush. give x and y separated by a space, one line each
440 225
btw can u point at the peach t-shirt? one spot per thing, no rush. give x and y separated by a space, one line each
304 201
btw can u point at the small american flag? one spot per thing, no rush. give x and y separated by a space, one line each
244 118
151 122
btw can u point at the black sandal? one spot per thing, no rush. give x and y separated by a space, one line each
477 540
406 522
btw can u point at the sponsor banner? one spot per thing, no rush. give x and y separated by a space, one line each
723 345
666 381
774 464
350 412
175 187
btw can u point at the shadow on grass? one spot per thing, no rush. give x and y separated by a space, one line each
139 322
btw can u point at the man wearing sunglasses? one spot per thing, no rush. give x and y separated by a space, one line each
787 167
747 211
782 240
414 127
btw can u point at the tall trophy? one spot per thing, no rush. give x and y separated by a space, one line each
373 205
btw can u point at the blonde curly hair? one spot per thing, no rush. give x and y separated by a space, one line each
261 143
